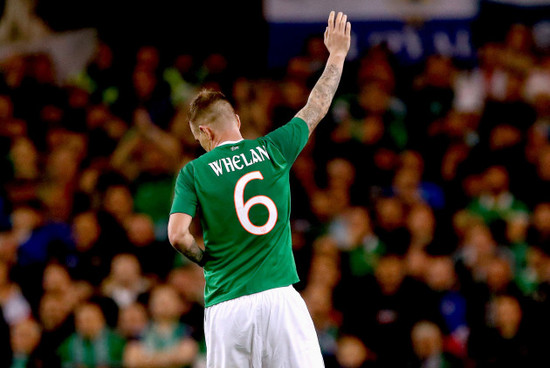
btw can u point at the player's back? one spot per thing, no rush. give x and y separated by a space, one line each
243 193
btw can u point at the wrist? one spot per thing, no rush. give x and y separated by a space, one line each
336 58
204 259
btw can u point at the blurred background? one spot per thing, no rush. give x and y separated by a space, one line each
421 204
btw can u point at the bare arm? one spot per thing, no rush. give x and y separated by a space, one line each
337 41
182 240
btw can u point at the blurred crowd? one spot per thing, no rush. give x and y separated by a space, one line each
420 219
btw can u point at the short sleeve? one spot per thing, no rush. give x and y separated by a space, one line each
290 139
185 196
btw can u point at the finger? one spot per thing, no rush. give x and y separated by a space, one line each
326 33
348 29
342 24
338 19
331 20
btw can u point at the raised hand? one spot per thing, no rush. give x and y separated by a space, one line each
337 41
338 34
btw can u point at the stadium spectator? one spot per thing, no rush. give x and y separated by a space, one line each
416 262
428 348
104 130
118 202
93 255
188 281
146 89
450 308
14 70
326 319
57 323
507 343
154 257
141 145
215 72
24 158
132 321
363 248
39 242
125 283
253 103
383 321
539 175
407 185
475 253
25 339
371 124
377 64
421 224
56 281
100 77
182 78
14 305
93 343
325 268
165 342
352 353
430 99
496 201
148 157
116 206
292 96
499 278
390 224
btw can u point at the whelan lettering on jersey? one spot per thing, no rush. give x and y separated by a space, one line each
240 161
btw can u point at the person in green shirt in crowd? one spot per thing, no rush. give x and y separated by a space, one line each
93 344
165 342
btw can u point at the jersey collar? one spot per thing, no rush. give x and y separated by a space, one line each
229 142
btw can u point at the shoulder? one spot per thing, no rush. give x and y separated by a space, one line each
294 128
189 167
293 123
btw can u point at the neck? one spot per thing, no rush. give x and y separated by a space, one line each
229 136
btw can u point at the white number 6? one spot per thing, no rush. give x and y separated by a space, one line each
244 208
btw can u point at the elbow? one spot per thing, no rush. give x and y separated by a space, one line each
181 241
177 237
173 238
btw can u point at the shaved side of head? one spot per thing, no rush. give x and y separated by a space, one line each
211 108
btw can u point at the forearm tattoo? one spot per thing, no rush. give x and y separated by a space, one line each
194 253
321 96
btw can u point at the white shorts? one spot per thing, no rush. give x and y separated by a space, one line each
270 329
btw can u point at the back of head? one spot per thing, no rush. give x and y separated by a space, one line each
211 108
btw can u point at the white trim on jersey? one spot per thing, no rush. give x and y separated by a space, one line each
229 142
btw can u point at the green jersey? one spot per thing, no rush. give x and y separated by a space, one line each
243 192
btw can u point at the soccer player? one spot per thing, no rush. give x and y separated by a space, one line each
253 315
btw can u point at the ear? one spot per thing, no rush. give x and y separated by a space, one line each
206 130
238 121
